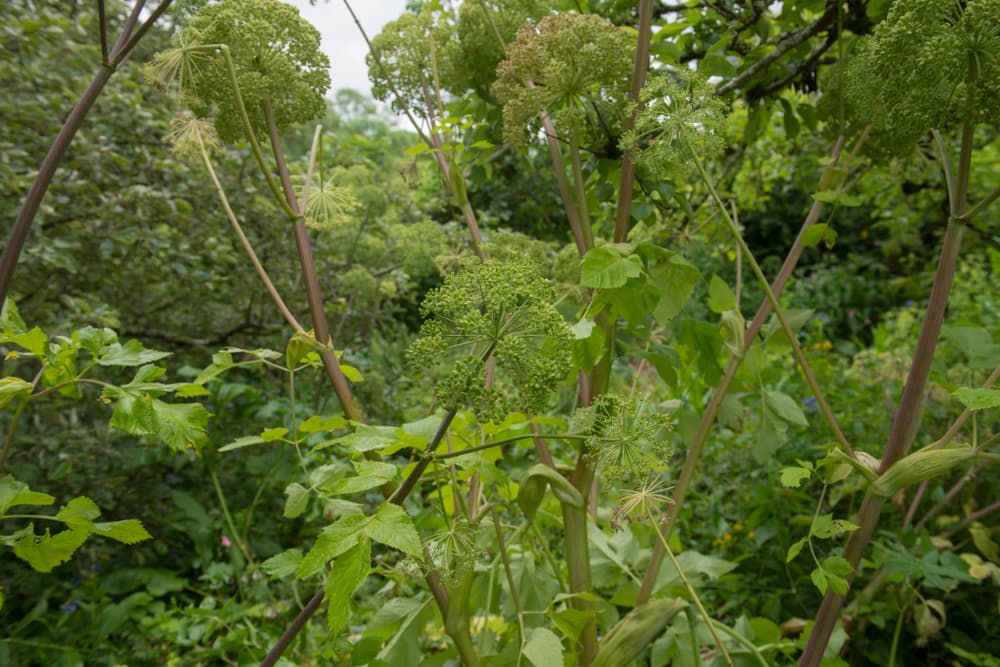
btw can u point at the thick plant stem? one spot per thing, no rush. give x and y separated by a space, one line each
697 443
310 277
908 414
623 212
578 558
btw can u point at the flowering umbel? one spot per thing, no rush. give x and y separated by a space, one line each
495 321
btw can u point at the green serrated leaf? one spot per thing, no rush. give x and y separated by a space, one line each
131 353
129 531
335 539
978 398
44 552
190 390
837 584
79 512
272 434
318 424
837 565
785 407
795 549
13 492
826 526
284 564
819 580
371 474
675 279
351 373
347 573
240 443
296 499
720 297
391 525
793 476
543 648
606 267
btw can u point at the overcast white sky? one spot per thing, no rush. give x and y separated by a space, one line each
341 40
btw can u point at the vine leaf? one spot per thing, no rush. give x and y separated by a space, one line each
350 570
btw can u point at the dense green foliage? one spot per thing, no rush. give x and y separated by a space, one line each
548 410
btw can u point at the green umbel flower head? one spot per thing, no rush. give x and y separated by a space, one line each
502 310
625 439
680 114
406 58
913 74
277 59
576 63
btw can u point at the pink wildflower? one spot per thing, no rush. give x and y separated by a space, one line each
225 542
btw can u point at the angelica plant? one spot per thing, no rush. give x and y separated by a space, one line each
917 70
494 319
625 439
679 114
575 63
277 61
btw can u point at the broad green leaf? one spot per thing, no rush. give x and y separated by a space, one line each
347 573
191 390
978 399
79 513
13 492
819 580
533 484
367 438
129 531
370 475
351 373
272 434
391 525
131 353
240 443
181 425
675 279
335 539
837 583
634 301
221 362
284 564
44 552
793 476
785 407
33 341
976 343
296 499
826 526
837 565
720 297
795 549
543 648
817 233
11 388
318 424
606 267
